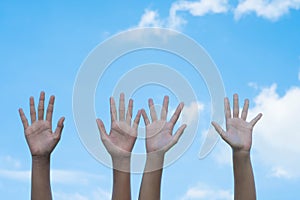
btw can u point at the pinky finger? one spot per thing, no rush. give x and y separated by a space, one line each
255 120
218 129
23 118
59 128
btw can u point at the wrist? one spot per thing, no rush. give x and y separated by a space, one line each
155 161
240 154
40 158
121 163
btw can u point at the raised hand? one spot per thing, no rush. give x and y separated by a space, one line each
159 133
119 144
39 135
238 132
159 139
122 136
41 141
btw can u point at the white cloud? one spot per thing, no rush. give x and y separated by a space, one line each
190 113
57 176
280 173
69 196
8 161
15 174
276 136
95 194
269 9
202 191
151 18
195 8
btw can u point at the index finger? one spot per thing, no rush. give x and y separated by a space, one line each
176 114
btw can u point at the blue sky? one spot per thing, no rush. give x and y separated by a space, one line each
254 43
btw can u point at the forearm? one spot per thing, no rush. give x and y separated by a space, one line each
121 179
151 181
244 186
40 178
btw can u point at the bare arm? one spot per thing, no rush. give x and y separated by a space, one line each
159 140
238 135
119 143
41 141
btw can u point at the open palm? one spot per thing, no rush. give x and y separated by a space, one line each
159 133
39 136
122 136
238 132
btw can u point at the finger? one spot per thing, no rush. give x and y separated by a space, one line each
177 135
41 106
49 113
137 120
255 120
176 114
102 130
145 117
245 109
129 111
23 118
32 110
164 109
59 128
152 110
235 106
219 129
227 108
122 107
113 111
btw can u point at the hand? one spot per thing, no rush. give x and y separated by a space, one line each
120 141
159 133
39 136
238 132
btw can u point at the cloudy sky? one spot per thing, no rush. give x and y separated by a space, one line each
254 44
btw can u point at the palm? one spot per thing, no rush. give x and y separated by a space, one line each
122 136
159 135
238 132
120 132
40 138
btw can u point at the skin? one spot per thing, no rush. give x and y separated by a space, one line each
41 141
159 140
238 135
119 144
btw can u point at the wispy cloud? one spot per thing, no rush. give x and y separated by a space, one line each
151 18
57 176
90 194
203 191
8 161
195 8
271 10
191 112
